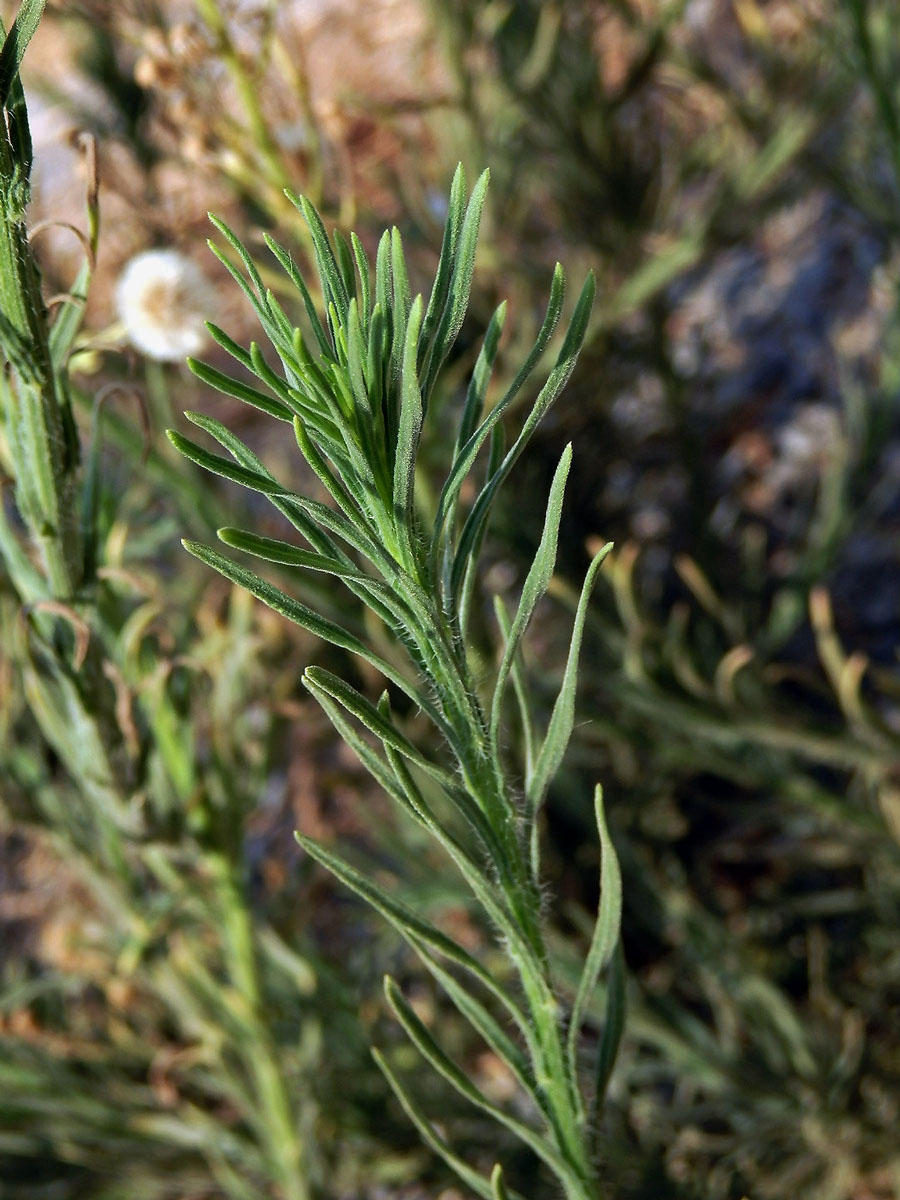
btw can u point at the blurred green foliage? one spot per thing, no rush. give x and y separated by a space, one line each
745 724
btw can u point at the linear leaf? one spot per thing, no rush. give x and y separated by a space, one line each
495 458
482 886
498 1186
608 1050
293 507
329 272
400 304
412 927
437 301
460 285
240 391
288 607
257 304
230 345
464 459
293 272
69 317
432 1052
557 380
20 34
474 817
374 764
481 376
344 490
344 257
221 466
606 931
411 413
232 443
536 583
365 279
430 1136
519 687
562 718
483 1022
273 550
317 679
246 258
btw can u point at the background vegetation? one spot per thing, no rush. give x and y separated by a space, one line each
187 1001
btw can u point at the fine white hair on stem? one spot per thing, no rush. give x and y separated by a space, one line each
163 299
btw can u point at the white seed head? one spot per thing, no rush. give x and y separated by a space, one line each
163 299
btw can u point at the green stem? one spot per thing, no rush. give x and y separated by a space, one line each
248 90
40 429
277 1120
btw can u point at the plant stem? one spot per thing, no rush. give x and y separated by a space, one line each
248 92
277 1124
39 422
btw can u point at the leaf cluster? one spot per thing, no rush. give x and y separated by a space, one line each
356 386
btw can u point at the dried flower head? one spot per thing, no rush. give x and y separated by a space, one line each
163 299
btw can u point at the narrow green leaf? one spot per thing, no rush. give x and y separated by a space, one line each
273 550
608 1050
288 607
400 305
430 1136
384 291
519 687
498 1186
374 764
345 491
293 272
241 452
562 719
365 280
536 583
460 286
484 1024
466 456
69 317
279 316
240 391
432 1052
397 787
16 42
495 458
318 680
255 291
377 374
411 414
437 301
230 345
422 1039
256 303
411 926
482 886
557 380
473 816
246 258
344 256
357 353
442 533
295 508
302 401
333 284
481 377
221 466
606 931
